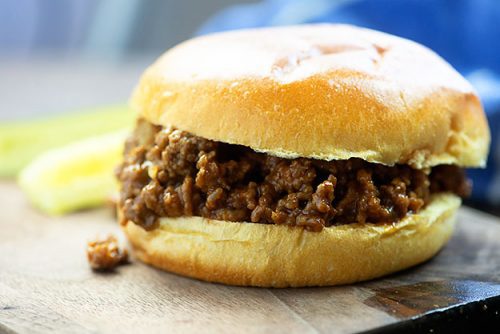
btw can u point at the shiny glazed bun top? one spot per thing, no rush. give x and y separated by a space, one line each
321 91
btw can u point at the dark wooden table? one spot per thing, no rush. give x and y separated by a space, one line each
46 286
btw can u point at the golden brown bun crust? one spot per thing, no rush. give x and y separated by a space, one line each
280 256
321 91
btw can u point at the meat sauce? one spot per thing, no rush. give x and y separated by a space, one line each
172 173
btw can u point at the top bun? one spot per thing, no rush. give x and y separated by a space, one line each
327 92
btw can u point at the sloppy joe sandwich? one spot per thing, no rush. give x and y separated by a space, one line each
297 156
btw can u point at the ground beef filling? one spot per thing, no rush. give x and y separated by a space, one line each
105 254
171 173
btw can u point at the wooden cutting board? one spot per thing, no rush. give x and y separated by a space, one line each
46 286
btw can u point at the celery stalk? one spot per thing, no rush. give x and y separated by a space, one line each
77 176
20 142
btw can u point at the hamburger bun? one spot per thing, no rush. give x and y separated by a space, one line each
329 92
269 255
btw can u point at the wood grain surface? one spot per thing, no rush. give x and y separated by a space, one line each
46 285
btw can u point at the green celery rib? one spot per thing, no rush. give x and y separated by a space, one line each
21 141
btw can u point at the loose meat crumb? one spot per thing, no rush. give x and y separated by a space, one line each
170 173
105 254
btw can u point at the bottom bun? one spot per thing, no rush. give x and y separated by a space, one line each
282 256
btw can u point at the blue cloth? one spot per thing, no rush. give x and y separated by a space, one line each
464 32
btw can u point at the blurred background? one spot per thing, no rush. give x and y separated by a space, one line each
57 56
62 55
